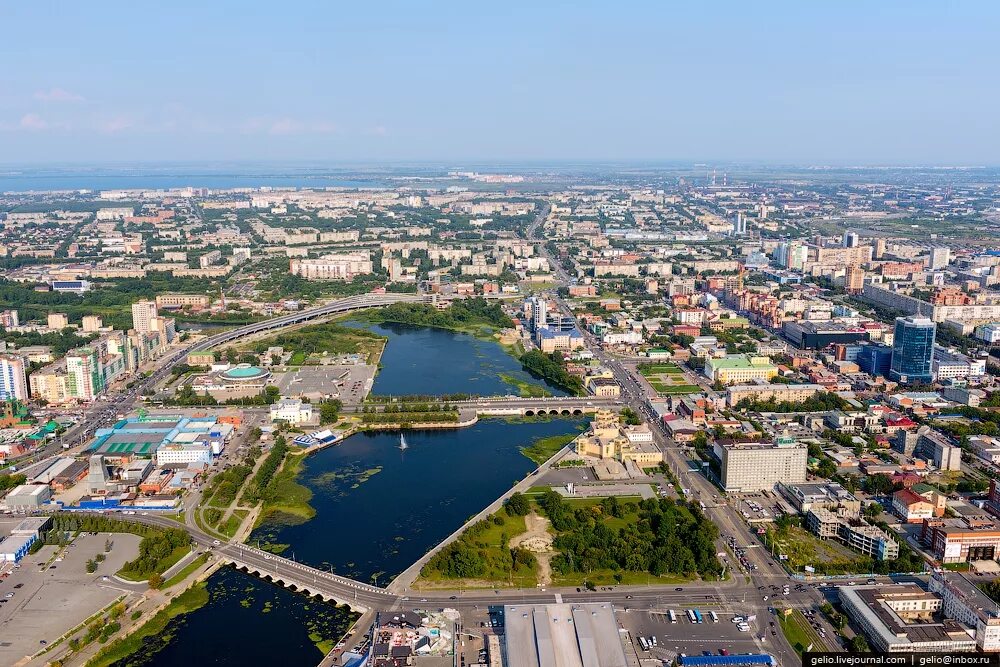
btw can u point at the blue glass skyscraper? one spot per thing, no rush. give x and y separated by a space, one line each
912 350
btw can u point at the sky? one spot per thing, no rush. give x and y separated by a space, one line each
839 82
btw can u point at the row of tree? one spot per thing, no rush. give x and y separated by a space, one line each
459 313
552 369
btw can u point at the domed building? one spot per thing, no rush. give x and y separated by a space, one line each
245 375
240 381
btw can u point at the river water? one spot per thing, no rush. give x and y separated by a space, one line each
378 507
421 360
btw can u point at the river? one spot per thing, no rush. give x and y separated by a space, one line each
422 360
378 508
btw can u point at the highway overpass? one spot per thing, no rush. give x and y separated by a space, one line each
345 305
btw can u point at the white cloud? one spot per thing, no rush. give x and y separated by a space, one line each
115 124
286 126
57 95
33 122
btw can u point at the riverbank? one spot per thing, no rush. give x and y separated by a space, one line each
190 600
288 501
526 389
543 449
480 330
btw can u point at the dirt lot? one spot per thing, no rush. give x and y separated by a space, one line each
538 540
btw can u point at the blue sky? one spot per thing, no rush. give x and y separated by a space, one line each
837 82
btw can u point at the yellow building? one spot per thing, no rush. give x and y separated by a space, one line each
50 384
606 440
740 368
603 387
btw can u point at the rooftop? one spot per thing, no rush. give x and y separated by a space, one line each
563 635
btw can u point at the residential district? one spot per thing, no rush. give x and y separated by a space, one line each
810 364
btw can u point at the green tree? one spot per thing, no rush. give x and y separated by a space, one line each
517 505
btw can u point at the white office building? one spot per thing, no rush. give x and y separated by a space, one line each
292 411
184 452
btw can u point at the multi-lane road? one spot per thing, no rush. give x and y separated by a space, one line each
766 572
105 410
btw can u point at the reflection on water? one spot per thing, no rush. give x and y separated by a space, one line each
247 621
429 361
379 508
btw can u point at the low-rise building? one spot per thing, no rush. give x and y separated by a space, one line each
764 391
27 497
607 439
852 531
603 387
912 507
292 411
904 618
184 452
961 540
739 368
962 600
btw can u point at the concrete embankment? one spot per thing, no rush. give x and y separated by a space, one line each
406 578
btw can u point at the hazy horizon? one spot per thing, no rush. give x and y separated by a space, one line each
849 84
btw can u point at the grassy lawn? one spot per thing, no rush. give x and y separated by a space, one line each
186 572
512 527
543 449
232 524
331 338
291 497
607 578
491 543
667 379
163 565
188 601
798 632
804 548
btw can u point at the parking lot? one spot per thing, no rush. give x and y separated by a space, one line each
350 383
51 592
683 636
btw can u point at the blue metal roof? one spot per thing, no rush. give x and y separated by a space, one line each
727 660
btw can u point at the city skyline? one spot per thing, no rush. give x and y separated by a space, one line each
781 84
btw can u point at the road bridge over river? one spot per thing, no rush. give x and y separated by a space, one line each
348 304
362 596
514 406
